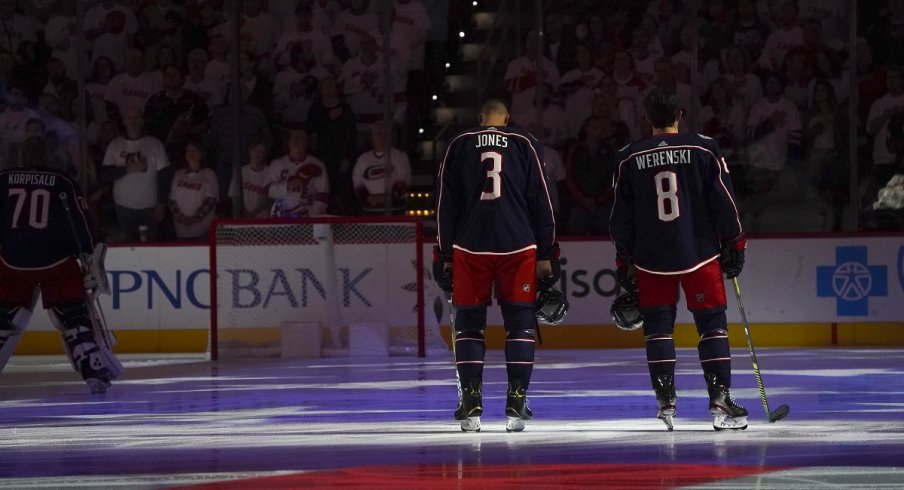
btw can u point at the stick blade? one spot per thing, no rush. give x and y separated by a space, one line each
779 413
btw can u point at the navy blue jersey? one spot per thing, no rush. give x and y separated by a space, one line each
35 233
674 203
491 194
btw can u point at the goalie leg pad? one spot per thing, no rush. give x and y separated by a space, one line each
13 321
658 326
470 349
89 357
519 355
713 348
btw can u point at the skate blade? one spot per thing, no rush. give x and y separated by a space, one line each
97 386
723 421
514 424
668 420
470 424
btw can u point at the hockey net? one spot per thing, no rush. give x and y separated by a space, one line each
355 286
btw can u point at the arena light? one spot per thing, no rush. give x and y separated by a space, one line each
448 65
461 34
435 97
420 131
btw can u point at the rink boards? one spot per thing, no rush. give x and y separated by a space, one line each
797 292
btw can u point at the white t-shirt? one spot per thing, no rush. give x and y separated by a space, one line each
363 86
777 45
881 155
294 92
353 27
127 91
61 28
255 191
412 20
316 185
370 173
189 191
137 190
771 151
518 76
579 102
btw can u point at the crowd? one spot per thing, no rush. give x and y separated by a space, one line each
772 85
161 133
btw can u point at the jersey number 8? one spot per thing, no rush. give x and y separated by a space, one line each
667 196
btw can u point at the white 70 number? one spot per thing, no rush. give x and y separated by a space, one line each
38 211
667 195
494 174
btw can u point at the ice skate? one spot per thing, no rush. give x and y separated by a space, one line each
98 385
727 414
470 406
517 409
664 386
98 380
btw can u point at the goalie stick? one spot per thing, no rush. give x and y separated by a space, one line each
95 313
783 410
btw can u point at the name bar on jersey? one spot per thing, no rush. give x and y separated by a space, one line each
32 178
662 157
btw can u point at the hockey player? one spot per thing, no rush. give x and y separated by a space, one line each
674 222
43 214
495 228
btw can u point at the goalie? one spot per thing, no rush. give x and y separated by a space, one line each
45 227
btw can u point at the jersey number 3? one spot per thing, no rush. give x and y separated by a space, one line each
494 175
667 196
38 207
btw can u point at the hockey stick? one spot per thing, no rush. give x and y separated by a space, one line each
94 310
783 410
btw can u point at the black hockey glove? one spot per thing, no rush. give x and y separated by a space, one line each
626 273
549 280
442 270
732 257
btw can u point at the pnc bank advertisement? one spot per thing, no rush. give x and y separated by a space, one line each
785 280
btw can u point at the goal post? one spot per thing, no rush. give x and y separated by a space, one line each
352 285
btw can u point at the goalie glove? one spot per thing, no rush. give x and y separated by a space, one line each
94 278
442 270
732 256
626 273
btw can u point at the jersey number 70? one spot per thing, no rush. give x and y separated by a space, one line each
38 202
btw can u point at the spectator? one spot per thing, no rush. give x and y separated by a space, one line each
13 120
175 115
193 196
96 19
716 34
258 33
96 87
299 184
60 34
412 22
362 85
588 179
553 128
577 86
255 183
133 162
231 133
295 87
332 122
132 88
113 42
15 28
628 87
773 132
351 28
558 43
256 90
197 81
303 32
325 13
157 20
521 78
643 54
882 110
218 64
7 67
787 36
825 137
59 84
745 87
382 174
749 31
832 15
724 119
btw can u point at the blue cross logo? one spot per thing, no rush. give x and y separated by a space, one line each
851 281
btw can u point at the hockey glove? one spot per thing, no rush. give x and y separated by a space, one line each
442 270
626 273
547 277
732 257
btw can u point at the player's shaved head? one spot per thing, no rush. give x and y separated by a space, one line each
494 113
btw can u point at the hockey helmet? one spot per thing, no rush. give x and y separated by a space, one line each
552 305
625 312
